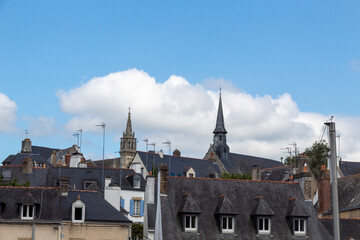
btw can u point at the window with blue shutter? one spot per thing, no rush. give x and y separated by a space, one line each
122 201
142 208
131 207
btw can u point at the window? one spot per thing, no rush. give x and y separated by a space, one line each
87 184
6 174
136 207
299 227
190 223
78 211
136 181
227 224
27 211
142 171
191 175
264 225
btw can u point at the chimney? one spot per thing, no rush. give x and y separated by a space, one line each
67 158
27 166
177 153
150 189
163 181
255 173
53 158
26 146
324 189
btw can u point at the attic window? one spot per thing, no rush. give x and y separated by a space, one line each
136 181
264 225
6 174
227 224
299 226
190 223
78 211
27 211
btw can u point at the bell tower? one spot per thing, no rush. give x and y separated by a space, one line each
127 145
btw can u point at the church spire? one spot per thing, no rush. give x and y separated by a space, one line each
220 125
128 131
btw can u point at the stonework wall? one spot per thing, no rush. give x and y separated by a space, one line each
24 231
93 231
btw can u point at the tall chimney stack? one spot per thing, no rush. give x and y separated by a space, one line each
324 190
163 179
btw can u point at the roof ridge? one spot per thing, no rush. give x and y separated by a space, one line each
177 156
254 156
21 187
11 166
238 180
75 190
283 166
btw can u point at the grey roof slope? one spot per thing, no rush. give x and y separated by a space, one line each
350 168
261 208
244 163
97 208
349 192
49 197
77 177
202 168
110 162
38 178
276 173
241 194
349 228
19 158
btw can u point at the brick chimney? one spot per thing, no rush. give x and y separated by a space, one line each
324 189
67 158
26 146
177 153
27 166
53 158
163 181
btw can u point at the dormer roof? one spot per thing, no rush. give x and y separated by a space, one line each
261 208
296 209
188 205
224 206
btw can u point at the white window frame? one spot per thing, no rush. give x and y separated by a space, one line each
26 207
225 227
137 182
297 223
136 204
263 230
78 204
191 218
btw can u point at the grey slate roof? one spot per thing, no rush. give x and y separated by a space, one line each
349 192
349 228
280 173
178 165
261 208
350 168
97 208
205 192
236 163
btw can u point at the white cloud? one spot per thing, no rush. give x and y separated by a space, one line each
7 114
185 113
41 126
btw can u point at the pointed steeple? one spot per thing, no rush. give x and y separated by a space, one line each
129 131
220 125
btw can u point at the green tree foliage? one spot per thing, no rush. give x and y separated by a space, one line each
13 183
318 154
137 231
289 160
236 176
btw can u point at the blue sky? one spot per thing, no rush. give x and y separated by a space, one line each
308 50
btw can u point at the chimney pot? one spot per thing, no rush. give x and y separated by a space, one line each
163 178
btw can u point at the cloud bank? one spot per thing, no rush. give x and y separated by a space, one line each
7 114
185 113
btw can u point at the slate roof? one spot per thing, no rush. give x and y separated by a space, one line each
110 162
261 208
236 163
19 158
50 206
97 208
350 168
349 228
349 193
202 168
49 197
280 173
241 193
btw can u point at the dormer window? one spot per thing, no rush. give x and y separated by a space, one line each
264 225
190 223
299 227
78 211
227 224
137 181
27 211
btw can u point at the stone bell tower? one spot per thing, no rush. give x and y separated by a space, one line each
127 145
